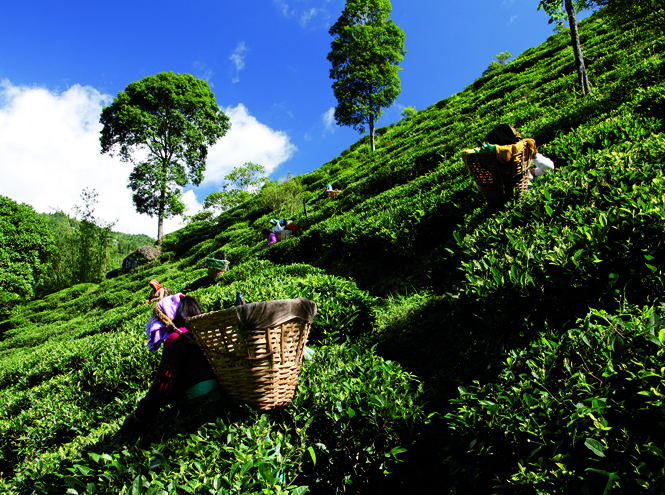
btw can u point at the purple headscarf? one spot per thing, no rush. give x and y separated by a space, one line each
155 329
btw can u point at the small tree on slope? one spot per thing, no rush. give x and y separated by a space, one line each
365 59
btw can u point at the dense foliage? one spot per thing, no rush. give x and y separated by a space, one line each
633 14
458 347
85 248
25 245
63 225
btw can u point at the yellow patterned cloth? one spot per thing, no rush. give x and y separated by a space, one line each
505 153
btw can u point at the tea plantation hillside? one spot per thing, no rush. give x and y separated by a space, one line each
459 348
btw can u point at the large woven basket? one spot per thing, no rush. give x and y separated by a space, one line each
259 367
498 182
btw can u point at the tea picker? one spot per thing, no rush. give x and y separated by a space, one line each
271 236
183 370
158 292
500 166
217 265
330 192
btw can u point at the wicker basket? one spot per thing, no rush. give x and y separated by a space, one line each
214 274
498 182
259 367
216 268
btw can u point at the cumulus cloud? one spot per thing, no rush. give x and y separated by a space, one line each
238 59
248 141
329 119
191 202
50 152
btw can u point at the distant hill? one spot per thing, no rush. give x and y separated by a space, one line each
124 243
460 347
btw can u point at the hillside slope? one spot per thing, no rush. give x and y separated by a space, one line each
508 350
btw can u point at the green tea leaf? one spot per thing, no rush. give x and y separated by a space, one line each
301 490
595 446
661 336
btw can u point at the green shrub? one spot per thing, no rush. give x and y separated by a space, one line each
359 413
576 408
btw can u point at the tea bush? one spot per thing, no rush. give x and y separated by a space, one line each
508 349
359 413
574 410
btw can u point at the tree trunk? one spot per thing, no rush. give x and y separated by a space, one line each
577 49
162 207
160 224
371 131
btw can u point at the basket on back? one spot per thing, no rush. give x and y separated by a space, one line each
501 180
256 350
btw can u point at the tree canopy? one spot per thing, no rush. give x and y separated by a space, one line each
240 184
284 196
25 246
163 124
365 57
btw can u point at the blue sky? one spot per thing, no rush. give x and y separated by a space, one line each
265 60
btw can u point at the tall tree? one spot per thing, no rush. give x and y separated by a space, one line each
365 57
168 121
554 10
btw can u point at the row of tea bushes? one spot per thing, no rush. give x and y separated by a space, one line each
351 404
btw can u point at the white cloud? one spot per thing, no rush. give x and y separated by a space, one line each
329 119
238 59
248 141
306 15
192 204
204 72
282 6
50 152
512 18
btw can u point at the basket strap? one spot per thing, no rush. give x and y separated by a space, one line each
159 314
